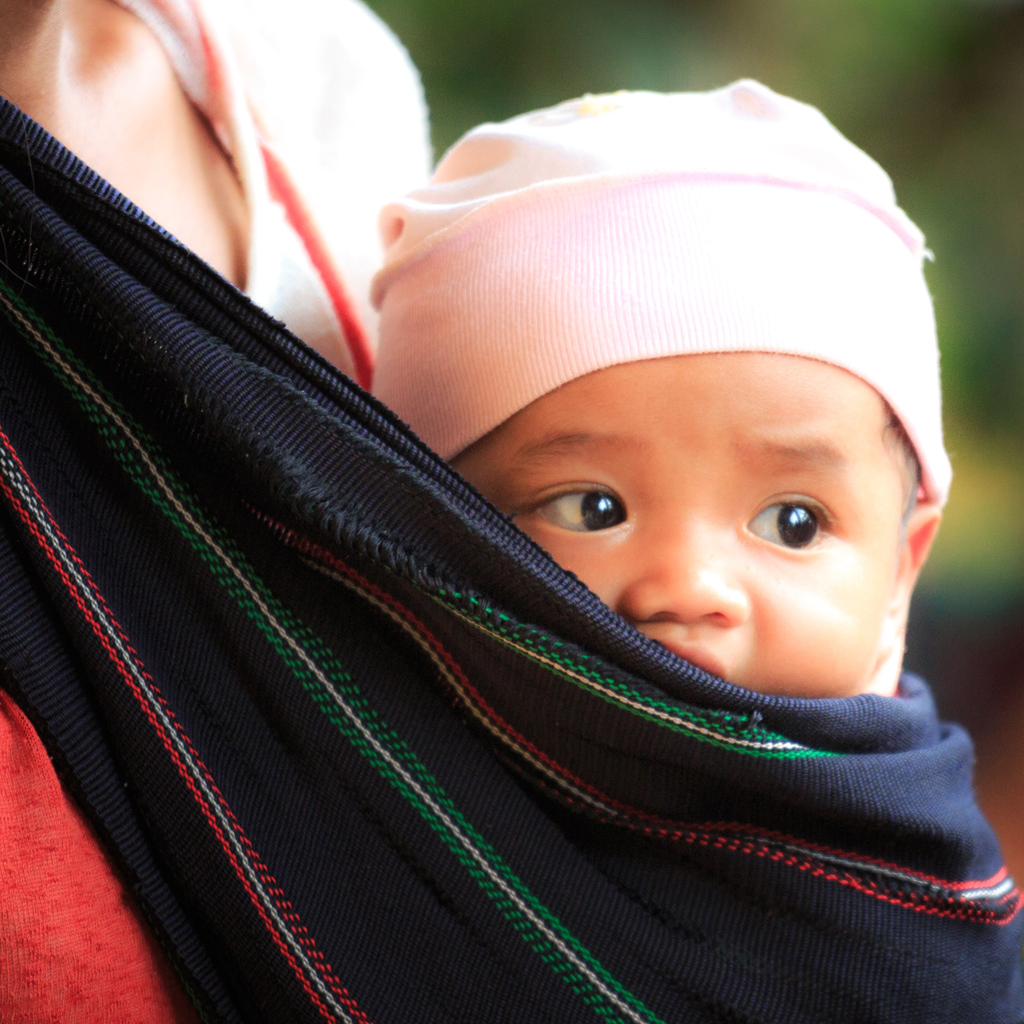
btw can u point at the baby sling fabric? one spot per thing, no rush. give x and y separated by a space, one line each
365 753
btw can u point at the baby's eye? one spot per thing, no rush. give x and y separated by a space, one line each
791 526
584 511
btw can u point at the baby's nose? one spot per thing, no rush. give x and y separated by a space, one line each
688 583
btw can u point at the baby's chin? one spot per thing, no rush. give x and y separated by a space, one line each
816 690
882 680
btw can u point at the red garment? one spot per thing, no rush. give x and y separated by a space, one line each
64 911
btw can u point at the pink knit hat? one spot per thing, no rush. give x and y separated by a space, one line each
635 225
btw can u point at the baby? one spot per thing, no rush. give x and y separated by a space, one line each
686 342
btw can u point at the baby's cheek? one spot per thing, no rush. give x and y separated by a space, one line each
817 641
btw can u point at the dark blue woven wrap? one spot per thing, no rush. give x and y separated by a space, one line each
363 752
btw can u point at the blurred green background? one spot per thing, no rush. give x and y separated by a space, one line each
934 90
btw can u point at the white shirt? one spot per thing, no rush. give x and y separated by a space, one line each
321 94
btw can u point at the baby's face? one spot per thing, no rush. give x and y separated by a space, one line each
745 510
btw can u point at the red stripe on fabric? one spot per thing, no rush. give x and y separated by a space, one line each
306 547
868 862
269 881
283 190
699 838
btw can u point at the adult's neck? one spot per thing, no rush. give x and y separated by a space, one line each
30 48
95 77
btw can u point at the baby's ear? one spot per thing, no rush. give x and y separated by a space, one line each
921 527
919 531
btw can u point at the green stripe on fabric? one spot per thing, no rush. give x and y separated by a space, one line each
320 673
725 730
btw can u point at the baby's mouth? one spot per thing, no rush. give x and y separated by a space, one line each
692 651
701 658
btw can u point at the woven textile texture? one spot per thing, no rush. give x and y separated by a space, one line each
364 753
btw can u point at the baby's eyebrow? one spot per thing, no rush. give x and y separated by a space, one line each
815 454
804 455
553 445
